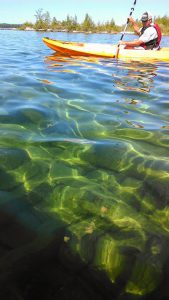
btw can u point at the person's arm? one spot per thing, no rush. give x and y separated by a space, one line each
134 43
135 26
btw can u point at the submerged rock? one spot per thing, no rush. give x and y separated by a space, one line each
12 158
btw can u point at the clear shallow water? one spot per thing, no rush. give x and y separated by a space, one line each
84 176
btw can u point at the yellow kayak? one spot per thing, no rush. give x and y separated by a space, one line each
104 50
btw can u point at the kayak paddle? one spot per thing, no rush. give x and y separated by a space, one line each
118 46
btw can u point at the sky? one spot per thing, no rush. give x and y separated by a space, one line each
20 11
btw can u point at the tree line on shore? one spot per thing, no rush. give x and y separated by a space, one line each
6 25
45 22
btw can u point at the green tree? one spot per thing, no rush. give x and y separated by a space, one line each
6 25
88 24
42 20
47 19
55 25
163 22
70 23
39 19
26 24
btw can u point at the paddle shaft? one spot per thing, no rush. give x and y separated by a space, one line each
124 30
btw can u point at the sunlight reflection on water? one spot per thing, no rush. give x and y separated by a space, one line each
84 159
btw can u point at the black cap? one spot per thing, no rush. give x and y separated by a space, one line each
146 16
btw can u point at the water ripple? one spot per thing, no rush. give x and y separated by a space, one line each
85 144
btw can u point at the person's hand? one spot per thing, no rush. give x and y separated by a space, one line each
122 43
131 20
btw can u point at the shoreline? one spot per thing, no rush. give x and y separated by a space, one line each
74 31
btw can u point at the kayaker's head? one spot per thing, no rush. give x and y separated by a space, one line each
146 19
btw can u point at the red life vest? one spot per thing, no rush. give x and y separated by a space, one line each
155 43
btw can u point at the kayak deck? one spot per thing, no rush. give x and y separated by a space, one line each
104 50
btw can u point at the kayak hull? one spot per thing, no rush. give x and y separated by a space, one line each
104 50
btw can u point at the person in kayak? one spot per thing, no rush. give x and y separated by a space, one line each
150 34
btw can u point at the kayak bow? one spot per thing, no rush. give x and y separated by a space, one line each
104 50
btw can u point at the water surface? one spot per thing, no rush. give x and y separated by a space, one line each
84 175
